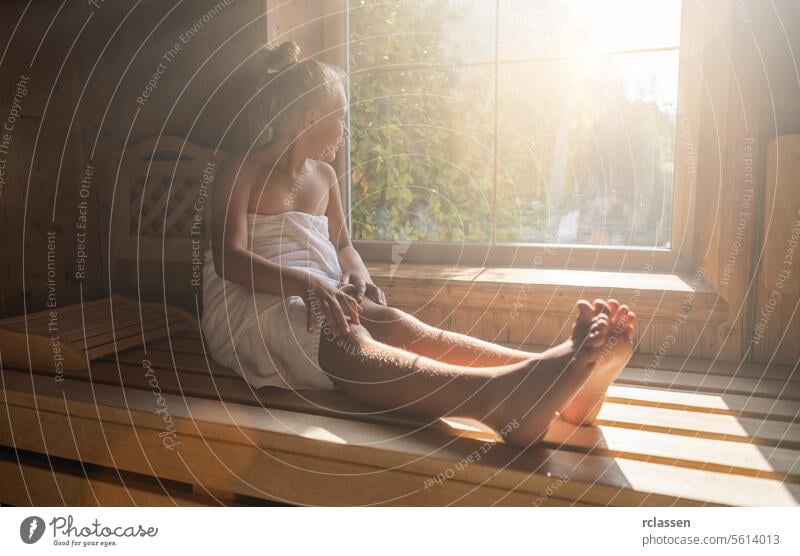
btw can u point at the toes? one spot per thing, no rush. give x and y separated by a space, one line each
624 318
585 312
596 338
621 317
601 324
600 307
598 333
602 317
629 328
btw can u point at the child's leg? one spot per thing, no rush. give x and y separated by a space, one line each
395 327
527 393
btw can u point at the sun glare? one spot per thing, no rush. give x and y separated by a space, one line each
616 25
623 25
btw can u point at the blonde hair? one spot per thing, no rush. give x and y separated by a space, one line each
292 85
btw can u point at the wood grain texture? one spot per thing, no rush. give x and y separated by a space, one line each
775 332
29 481
68 338
705 430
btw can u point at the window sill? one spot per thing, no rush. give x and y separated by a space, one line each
657 297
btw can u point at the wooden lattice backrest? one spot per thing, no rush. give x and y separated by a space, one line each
162 199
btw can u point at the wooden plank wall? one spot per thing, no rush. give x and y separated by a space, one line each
752 96
776 322
86 73
42 156
776 339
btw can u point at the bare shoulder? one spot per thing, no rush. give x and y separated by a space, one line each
327 172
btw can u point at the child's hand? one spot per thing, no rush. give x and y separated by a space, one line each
376 294
362 285
334 303
350 289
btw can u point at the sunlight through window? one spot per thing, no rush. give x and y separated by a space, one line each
514 121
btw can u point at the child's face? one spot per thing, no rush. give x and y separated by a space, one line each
327 134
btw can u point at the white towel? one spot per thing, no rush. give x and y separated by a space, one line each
261 335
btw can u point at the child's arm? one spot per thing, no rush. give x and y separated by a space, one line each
234 261
353 268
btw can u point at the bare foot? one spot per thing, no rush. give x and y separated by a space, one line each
616 321
524 402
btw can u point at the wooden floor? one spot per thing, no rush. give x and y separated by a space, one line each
192 432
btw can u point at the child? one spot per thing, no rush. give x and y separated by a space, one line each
288 301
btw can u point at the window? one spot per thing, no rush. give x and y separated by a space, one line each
481 130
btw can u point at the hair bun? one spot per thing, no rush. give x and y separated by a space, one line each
280 57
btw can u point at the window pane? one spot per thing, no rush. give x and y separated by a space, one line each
586 140
545 28
586 149
421 137
421 154
391 33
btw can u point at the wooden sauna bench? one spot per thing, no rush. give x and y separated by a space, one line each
694 437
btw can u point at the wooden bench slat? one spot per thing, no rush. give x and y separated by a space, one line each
594 479
186 362
718 367
705 402
678 450
242 469
706 425
178 344
44 316
236 390
88 331
95 328
71 317
130 341
62 324
134 329
683 450
776 389
26 484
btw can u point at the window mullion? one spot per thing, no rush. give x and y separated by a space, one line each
496 118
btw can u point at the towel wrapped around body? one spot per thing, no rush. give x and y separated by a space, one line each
263 336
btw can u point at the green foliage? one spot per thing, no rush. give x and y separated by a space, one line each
423 138
421 148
